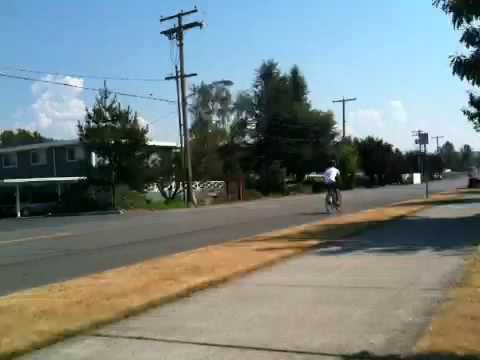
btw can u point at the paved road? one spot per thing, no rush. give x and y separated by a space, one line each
39 251
374 292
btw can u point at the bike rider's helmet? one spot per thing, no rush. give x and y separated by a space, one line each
332 163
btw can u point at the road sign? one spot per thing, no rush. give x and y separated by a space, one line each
423 138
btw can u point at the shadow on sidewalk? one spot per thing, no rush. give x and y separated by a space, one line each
452 236
429 356
449 236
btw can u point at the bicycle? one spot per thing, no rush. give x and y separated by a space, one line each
333 200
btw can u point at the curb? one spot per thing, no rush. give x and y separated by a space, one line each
89 213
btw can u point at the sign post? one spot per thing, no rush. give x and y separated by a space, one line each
422 142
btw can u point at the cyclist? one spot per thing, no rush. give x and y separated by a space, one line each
330 177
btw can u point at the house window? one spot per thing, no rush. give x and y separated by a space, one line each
38 157
75 154
9 160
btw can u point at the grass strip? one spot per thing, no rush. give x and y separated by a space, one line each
456 327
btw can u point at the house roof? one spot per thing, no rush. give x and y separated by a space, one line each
45 180
58 143
167 144
43 145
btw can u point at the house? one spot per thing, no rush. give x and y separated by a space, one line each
39 172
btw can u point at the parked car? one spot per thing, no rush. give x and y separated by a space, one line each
28 209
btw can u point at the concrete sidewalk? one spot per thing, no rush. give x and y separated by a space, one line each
375 292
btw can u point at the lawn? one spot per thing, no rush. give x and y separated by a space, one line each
134 200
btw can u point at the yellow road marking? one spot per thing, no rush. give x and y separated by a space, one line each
40 237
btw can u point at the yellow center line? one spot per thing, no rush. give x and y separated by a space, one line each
40 237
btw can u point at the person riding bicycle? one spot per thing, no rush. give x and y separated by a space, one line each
330 177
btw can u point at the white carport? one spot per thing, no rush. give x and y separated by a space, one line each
17 183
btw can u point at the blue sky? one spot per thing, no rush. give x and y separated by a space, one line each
393 56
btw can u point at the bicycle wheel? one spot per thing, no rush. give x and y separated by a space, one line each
338 204
329 203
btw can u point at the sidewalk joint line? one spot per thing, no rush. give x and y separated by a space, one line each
224 346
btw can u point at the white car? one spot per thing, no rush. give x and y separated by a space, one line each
315 177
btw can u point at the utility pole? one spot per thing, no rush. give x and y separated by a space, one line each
177 33
343 101
180 127
104 96
180 131
438 138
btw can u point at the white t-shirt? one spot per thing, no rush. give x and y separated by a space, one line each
330 175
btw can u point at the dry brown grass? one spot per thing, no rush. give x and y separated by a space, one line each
41 316
456 327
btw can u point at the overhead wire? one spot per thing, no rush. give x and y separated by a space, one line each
120 93
97 77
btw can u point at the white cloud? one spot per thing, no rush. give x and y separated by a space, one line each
142 122
397 112
395 124
57 109
390 123
163 128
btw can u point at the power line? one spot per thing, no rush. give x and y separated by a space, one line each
120 93
97 77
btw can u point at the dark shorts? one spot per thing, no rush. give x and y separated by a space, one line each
332 186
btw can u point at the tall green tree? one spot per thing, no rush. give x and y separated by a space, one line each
20 137
211 109
287 130
167 173
466 156
397 165
375 156
348 162
297 86
435 164
465 16
450 156
114 133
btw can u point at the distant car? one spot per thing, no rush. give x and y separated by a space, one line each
437 176
315 177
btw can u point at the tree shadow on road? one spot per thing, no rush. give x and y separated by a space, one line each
445 202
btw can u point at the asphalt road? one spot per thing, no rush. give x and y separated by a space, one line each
39 251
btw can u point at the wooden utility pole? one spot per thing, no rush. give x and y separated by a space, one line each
177 33
180 130
343 101
437 138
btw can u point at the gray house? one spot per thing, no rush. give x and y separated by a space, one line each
43 169
55 159
38 173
